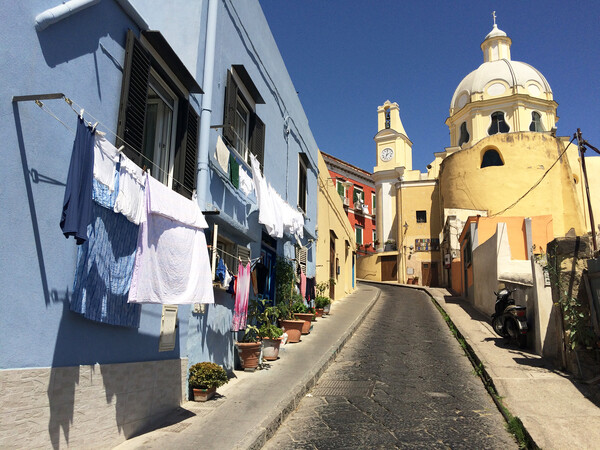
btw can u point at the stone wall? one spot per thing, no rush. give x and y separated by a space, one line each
93 406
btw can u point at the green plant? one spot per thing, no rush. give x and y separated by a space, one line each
321 288
321 301
206 375
250 334
298 305
270 331
285 278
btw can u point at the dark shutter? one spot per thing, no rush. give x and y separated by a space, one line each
134 94
257 139
186 156
231 92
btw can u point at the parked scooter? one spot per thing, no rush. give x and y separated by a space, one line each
510 320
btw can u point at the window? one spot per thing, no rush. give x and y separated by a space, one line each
374 236
158 126
536 122
374 203
464 134
302 183
301 254
491 158
242 128
498 125
359 235
358 197
387 118
421 216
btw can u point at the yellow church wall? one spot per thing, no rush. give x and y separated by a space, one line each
413 197
527 156
332 217
368 267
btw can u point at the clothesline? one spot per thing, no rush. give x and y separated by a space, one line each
82 111
250 260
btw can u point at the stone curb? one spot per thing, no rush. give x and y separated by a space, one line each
258 437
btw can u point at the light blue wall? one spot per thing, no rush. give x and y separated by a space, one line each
81 56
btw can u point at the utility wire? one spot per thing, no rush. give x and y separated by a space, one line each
535 185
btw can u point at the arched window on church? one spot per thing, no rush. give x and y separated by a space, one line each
498 125
464 134
387 118
491 158
536 122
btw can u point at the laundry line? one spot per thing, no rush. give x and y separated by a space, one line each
248 260
37 99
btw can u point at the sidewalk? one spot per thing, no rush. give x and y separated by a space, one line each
252 405
554 409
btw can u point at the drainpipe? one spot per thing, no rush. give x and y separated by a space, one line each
206 113
44 19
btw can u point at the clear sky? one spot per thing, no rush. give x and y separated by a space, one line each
347 57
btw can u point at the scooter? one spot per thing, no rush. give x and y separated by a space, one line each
510 320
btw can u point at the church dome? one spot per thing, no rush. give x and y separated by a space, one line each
499 75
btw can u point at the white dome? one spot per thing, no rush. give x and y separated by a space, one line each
513 73
499 74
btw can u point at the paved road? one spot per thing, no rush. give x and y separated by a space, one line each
401 381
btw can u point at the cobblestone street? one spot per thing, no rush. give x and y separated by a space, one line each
401 381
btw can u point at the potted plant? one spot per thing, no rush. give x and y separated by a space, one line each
322 303
284 284
249 348
302 312
269 332
321 288
205 378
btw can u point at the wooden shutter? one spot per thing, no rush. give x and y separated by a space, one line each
231 92
134 95
257 139
301 253
186 156
243 253
340 188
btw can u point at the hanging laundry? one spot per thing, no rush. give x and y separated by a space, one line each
310 288
105 264
240 314
221 270
266 211
302 285
278 208
77 202
222 154
234 171
172 264
253 277
246 183
228 279
106 157
131 197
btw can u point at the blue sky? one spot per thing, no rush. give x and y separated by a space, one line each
347 57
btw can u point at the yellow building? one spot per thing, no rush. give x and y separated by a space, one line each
336 245
504 160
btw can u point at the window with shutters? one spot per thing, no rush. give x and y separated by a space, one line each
301 256
359 235
243 130
358 197
302 181
157 125
374 203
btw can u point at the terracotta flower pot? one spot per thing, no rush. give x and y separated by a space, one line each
271 348
307 317
202 395
293 328
319 312
249 354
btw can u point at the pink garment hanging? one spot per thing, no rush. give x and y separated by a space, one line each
303 285
242 291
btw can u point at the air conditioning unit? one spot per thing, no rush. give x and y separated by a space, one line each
346 201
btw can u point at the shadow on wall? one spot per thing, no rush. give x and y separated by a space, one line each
211 338
111 401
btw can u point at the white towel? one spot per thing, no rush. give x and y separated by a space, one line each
222 154
172 264
131 197
266 212
246 183
106 157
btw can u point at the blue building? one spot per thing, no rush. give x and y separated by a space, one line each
191 90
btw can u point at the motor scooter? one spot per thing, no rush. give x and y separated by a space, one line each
510 320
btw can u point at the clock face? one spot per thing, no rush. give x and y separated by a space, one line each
386 154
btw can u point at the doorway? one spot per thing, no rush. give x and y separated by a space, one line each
389 268
429 272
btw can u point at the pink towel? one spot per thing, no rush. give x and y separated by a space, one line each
172 264
242 290
303 285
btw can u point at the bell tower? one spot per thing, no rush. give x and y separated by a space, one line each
393 147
